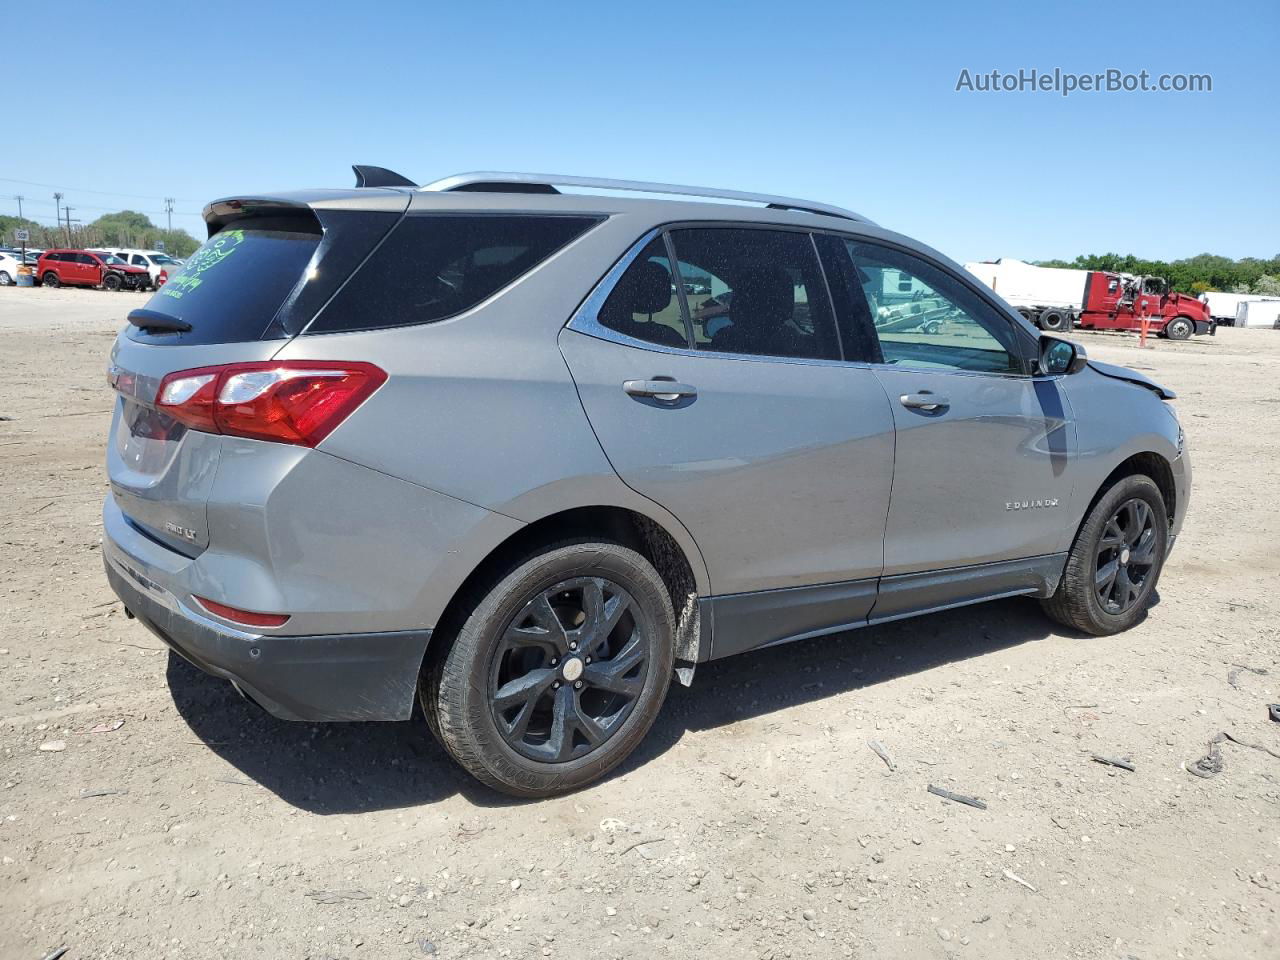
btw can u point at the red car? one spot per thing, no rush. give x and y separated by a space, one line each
85 268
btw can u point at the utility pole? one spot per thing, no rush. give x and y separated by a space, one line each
19 197
168 209
67 211
57 207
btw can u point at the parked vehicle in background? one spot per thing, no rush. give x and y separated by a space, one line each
1258 313
1224 306
9 264
88 268
1049 297
1056 299
310 461
159 265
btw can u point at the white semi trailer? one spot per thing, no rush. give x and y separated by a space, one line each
1223 307
1258 313
1050 297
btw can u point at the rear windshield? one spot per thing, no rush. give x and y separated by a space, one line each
232 286
436 266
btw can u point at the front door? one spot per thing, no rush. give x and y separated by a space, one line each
88 269
718 390
981 476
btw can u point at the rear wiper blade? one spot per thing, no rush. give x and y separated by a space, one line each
155 320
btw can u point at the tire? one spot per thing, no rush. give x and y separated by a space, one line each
5 279
111 282
1085 598
1053 320
1179 328
513 641
50 279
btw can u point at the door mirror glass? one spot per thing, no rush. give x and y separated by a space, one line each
1061 356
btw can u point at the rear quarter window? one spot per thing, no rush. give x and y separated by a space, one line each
435 266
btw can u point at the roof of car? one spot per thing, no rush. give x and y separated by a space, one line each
542 192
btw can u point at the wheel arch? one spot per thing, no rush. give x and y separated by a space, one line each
674 556
1145 463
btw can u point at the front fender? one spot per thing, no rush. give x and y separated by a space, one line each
1117 420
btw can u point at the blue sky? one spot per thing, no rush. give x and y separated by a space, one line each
853 103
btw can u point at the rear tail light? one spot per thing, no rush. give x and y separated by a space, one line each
287 401
246 617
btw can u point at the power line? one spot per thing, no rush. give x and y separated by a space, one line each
154 213
105 193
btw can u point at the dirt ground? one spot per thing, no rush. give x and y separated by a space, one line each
180 821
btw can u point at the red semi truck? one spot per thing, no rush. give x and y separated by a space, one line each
1057 299
1115 301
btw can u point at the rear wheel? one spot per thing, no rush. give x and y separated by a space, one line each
50 279
558 671
1054 320
5 279
1179 328
1115 561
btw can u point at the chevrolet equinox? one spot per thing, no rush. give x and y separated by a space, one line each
525 454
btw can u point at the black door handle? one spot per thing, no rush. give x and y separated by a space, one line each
659 389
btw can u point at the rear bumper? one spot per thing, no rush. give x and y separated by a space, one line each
370 676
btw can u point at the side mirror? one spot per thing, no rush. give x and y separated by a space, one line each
1059 357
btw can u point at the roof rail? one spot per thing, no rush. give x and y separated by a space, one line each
489 181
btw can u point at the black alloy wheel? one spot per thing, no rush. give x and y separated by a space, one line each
555 670
1114 563
568 670
1126 556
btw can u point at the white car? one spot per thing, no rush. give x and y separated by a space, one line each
9 264
161 266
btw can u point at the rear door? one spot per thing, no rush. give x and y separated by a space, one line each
718 389
982 469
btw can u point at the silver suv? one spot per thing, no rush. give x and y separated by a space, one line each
524 454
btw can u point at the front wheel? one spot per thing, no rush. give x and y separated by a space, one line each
557 673
5 279
1115 562
1179 328
111 282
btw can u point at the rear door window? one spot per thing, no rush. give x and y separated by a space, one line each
755 291
435 266
643 304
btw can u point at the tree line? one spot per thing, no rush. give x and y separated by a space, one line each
1195 275
126 228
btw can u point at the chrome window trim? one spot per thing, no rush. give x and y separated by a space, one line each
586 318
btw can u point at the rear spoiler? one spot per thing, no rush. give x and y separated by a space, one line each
221 212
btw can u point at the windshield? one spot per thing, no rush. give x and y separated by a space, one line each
112 259
161 258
